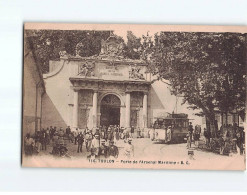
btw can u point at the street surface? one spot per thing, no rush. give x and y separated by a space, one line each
144 148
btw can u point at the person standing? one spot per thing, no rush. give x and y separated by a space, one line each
38 137
80 140
132 130
88 139
188 139
54 131
29 145
103 149
239 142
68 130
169 134
44 138
152 132
109 134
68 133
129 149
122 133
76 133
197 134
61 133
191 131
112 150
95 144
97 132
118 133
48 137
51 133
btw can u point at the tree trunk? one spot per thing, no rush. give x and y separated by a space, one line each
211 124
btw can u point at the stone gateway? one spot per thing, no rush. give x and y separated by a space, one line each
106 89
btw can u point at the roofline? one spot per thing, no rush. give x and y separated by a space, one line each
108 80
102 59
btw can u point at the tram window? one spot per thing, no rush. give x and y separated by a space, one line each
185 124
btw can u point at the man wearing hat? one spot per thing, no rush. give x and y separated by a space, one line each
88 137
112 150
95 144
80 140
109 134
129 149
61 133
29 145
38 138
103 149
97 132
169 134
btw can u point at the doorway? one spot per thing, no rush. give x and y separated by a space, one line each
110 110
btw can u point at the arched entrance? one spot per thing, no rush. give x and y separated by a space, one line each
110 110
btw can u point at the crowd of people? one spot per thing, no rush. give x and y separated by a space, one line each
101 143
228 138
104 141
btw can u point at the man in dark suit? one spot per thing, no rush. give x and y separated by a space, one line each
112 150
80 140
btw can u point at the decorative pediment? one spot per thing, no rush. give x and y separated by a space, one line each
112 47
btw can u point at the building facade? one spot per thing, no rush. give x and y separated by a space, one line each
106 89
33 90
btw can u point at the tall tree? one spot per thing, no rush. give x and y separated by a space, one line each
132 48
47 44
207 69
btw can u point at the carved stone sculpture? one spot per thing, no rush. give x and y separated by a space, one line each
134 73
86 69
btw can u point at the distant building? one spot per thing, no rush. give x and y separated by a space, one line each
224 119
33 90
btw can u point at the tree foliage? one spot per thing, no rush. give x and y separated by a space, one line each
207 69
47 44
132 48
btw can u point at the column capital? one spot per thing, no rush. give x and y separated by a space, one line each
76 89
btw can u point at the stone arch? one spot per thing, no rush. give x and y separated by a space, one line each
111 93
110 109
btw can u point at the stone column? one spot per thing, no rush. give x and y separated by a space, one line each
95 105
145 109
75 110
127 110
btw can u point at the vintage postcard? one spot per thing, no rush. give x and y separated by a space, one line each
134 96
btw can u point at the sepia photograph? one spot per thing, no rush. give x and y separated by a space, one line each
134 96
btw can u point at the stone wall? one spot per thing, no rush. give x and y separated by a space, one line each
33 89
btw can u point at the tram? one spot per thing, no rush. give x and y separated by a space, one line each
171 129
